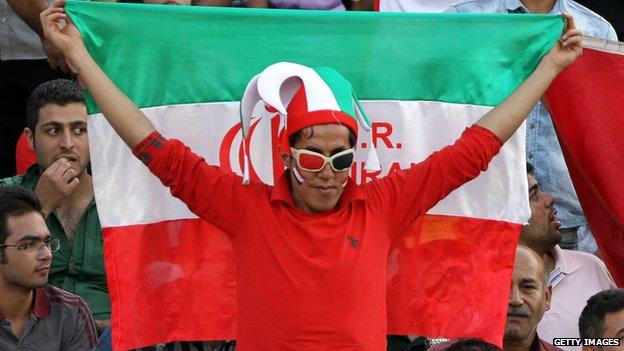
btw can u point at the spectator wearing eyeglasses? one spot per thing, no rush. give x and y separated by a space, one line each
33 314
57 132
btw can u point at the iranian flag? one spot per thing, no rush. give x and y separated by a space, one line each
421 79
591 134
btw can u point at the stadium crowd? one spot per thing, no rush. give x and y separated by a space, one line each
53 284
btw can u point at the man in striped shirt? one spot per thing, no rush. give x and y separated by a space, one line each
33 314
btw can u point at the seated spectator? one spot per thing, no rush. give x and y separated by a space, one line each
57 132
34 315
574 276
603 317
529 298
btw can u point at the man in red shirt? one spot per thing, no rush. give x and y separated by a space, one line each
310 251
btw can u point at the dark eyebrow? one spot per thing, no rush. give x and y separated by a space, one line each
533 188
78 123
337 150
528 281
311 148
30 237
333 152
51 124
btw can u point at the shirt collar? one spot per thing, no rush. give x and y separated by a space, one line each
539 344
33 172
514 6
536 345
565 263
282 192
42 307
41 304
559 6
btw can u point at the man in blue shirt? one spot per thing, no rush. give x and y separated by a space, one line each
542 146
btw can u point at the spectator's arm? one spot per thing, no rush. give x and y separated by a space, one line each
29 12
80 339
80 334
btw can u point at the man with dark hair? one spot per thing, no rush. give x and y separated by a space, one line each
59 92
34 315
603 317
57 132
574 275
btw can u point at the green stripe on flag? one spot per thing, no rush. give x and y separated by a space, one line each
161 55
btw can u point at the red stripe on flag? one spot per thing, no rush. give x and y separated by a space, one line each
450 277
586 102
172 280
452 281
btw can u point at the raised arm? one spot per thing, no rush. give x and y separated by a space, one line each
29 12
127 120
509 115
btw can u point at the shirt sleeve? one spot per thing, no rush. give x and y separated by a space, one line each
214 195
83 332
405 195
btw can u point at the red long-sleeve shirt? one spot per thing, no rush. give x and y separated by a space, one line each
314 281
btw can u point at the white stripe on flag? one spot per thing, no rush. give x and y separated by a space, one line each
405 133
